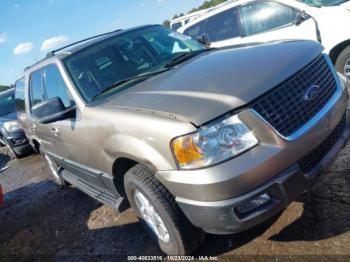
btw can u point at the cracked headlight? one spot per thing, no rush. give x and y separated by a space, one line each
213 143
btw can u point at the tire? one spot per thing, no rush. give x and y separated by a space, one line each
342 61
54 170
180 237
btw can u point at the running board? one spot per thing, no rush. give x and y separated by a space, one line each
100 194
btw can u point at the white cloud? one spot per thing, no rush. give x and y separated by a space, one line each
2 38
23 48
54 42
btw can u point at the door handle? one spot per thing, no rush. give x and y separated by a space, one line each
55 131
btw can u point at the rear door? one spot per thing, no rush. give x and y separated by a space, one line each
20 103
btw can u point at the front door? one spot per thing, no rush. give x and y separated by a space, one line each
269 21
69 139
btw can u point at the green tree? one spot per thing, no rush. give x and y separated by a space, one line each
3 88
166 23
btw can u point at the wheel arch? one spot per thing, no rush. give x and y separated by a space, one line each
120 167
336 50
36 145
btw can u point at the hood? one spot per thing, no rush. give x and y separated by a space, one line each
346 5
8 117
217 82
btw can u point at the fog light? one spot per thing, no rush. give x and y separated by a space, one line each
253 204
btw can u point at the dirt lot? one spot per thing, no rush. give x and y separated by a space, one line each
40 219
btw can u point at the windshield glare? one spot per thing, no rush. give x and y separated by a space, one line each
323 2
141 51
7 103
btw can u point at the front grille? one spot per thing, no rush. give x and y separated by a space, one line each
308 162
285 107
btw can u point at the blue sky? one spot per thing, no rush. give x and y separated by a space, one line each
30 28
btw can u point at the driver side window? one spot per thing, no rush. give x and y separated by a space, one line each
54 85
47 83
265 16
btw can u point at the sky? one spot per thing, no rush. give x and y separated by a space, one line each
31 28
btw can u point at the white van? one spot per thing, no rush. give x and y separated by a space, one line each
245 21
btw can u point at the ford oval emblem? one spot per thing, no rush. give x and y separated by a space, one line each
312 92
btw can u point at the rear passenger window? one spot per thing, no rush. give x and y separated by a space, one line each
36 89
221 26
176 26
54 84
19 96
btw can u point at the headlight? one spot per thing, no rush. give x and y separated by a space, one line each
12 126
213 143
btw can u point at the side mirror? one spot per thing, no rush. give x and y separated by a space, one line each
300 18
52 110
204 39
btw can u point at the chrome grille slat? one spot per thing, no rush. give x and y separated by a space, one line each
284 107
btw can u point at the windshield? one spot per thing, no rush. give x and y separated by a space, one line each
138 52
320 3
7 102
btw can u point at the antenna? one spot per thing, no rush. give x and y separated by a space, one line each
52 53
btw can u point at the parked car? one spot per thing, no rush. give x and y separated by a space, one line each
11 133
194 139
244 21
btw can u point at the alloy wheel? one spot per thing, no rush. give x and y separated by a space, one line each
151 216
347 69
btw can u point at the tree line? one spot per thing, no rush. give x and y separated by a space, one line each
205 5
3 88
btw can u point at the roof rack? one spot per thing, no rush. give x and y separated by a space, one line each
52 53
200 13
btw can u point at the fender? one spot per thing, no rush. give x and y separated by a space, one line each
140 151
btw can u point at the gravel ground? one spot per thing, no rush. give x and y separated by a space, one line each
38 218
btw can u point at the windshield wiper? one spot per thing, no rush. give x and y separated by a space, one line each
184 56
127 80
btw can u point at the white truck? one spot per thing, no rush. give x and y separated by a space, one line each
176 23
246 21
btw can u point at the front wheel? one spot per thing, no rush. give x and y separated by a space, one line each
343 63
158 211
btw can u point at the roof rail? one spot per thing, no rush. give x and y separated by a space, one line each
38 62
53 52
220 5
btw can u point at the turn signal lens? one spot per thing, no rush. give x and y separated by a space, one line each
185 150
